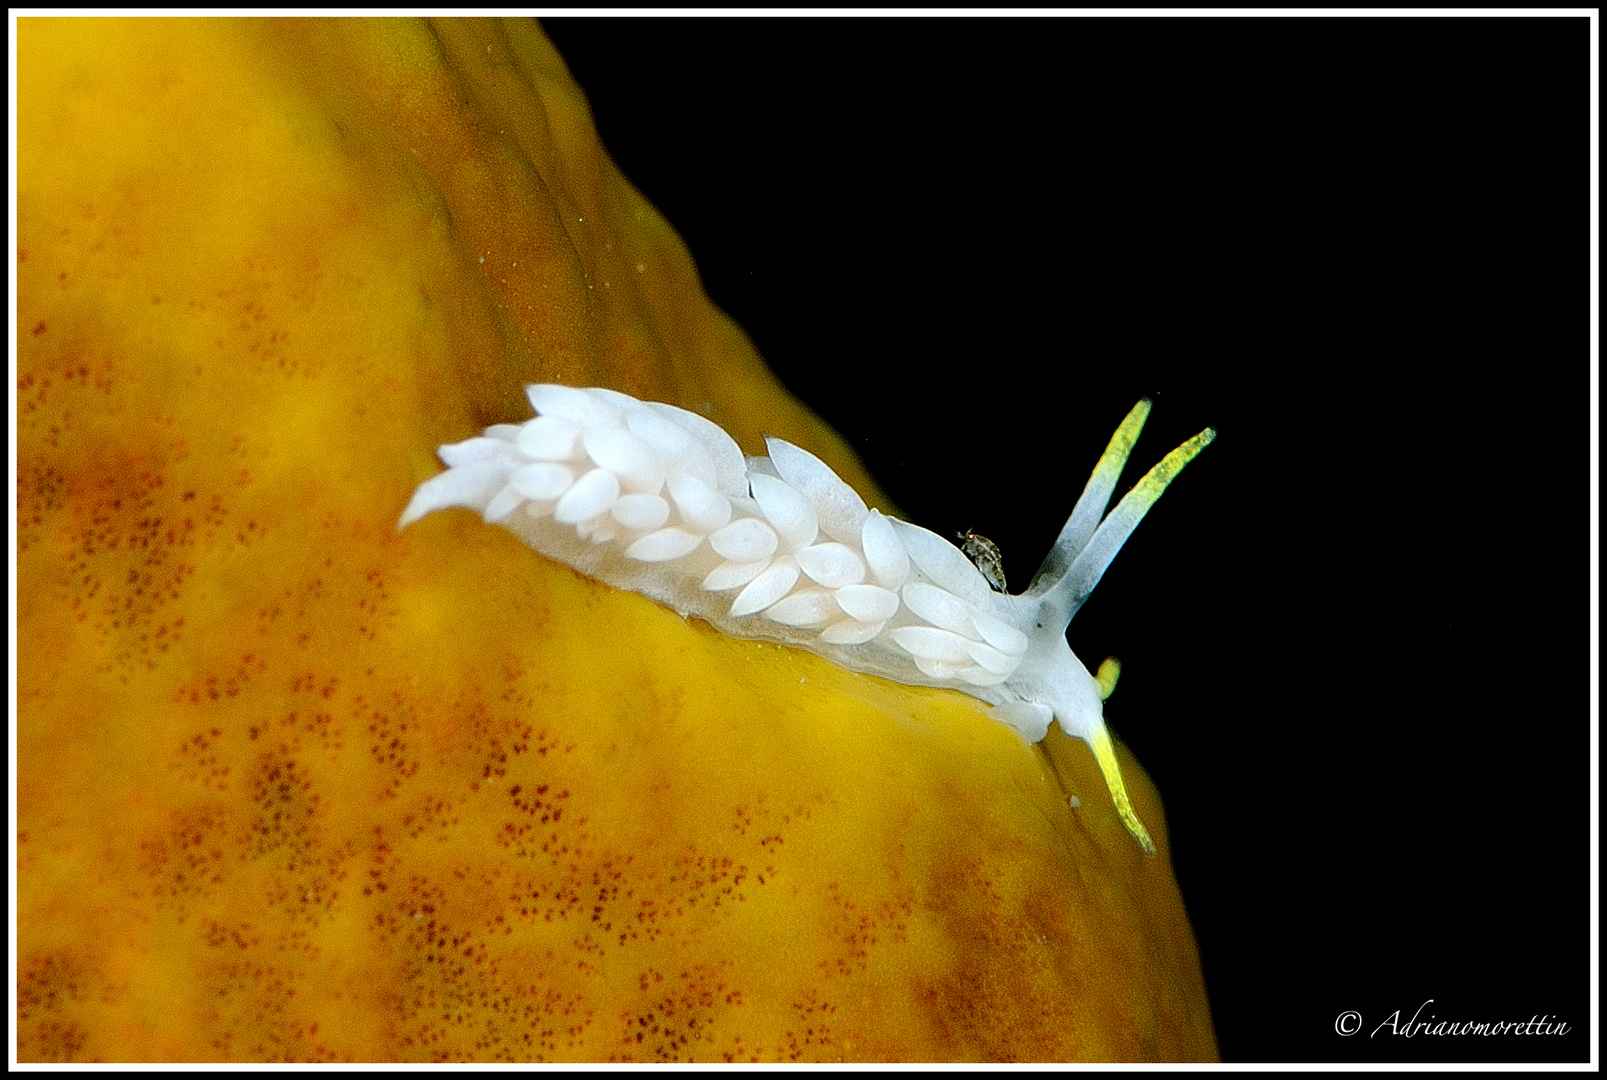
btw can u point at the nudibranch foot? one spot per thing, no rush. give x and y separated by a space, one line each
651 498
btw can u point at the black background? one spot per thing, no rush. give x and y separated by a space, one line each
1355 632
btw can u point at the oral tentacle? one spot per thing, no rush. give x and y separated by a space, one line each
1105 754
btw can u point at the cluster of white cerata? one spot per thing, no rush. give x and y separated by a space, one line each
661 501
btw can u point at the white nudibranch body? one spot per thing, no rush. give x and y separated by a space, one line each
660 501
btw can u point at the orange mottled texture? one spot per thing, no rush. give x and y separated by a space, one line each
292 786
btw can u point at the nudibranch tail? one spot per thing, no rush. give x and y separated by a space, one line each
650 498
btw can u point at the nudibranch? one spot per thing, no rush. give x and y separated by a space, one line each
660 501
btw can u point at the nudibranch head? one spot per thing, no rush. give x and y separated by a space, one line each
651 498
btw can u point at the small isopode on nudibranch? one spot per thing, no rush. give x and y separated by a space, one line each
985 554
660 501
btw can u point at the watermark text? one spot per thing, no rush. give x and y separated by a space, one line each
1350 1022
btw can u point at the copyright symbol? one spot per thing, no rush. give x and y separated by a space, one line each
1348 1022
